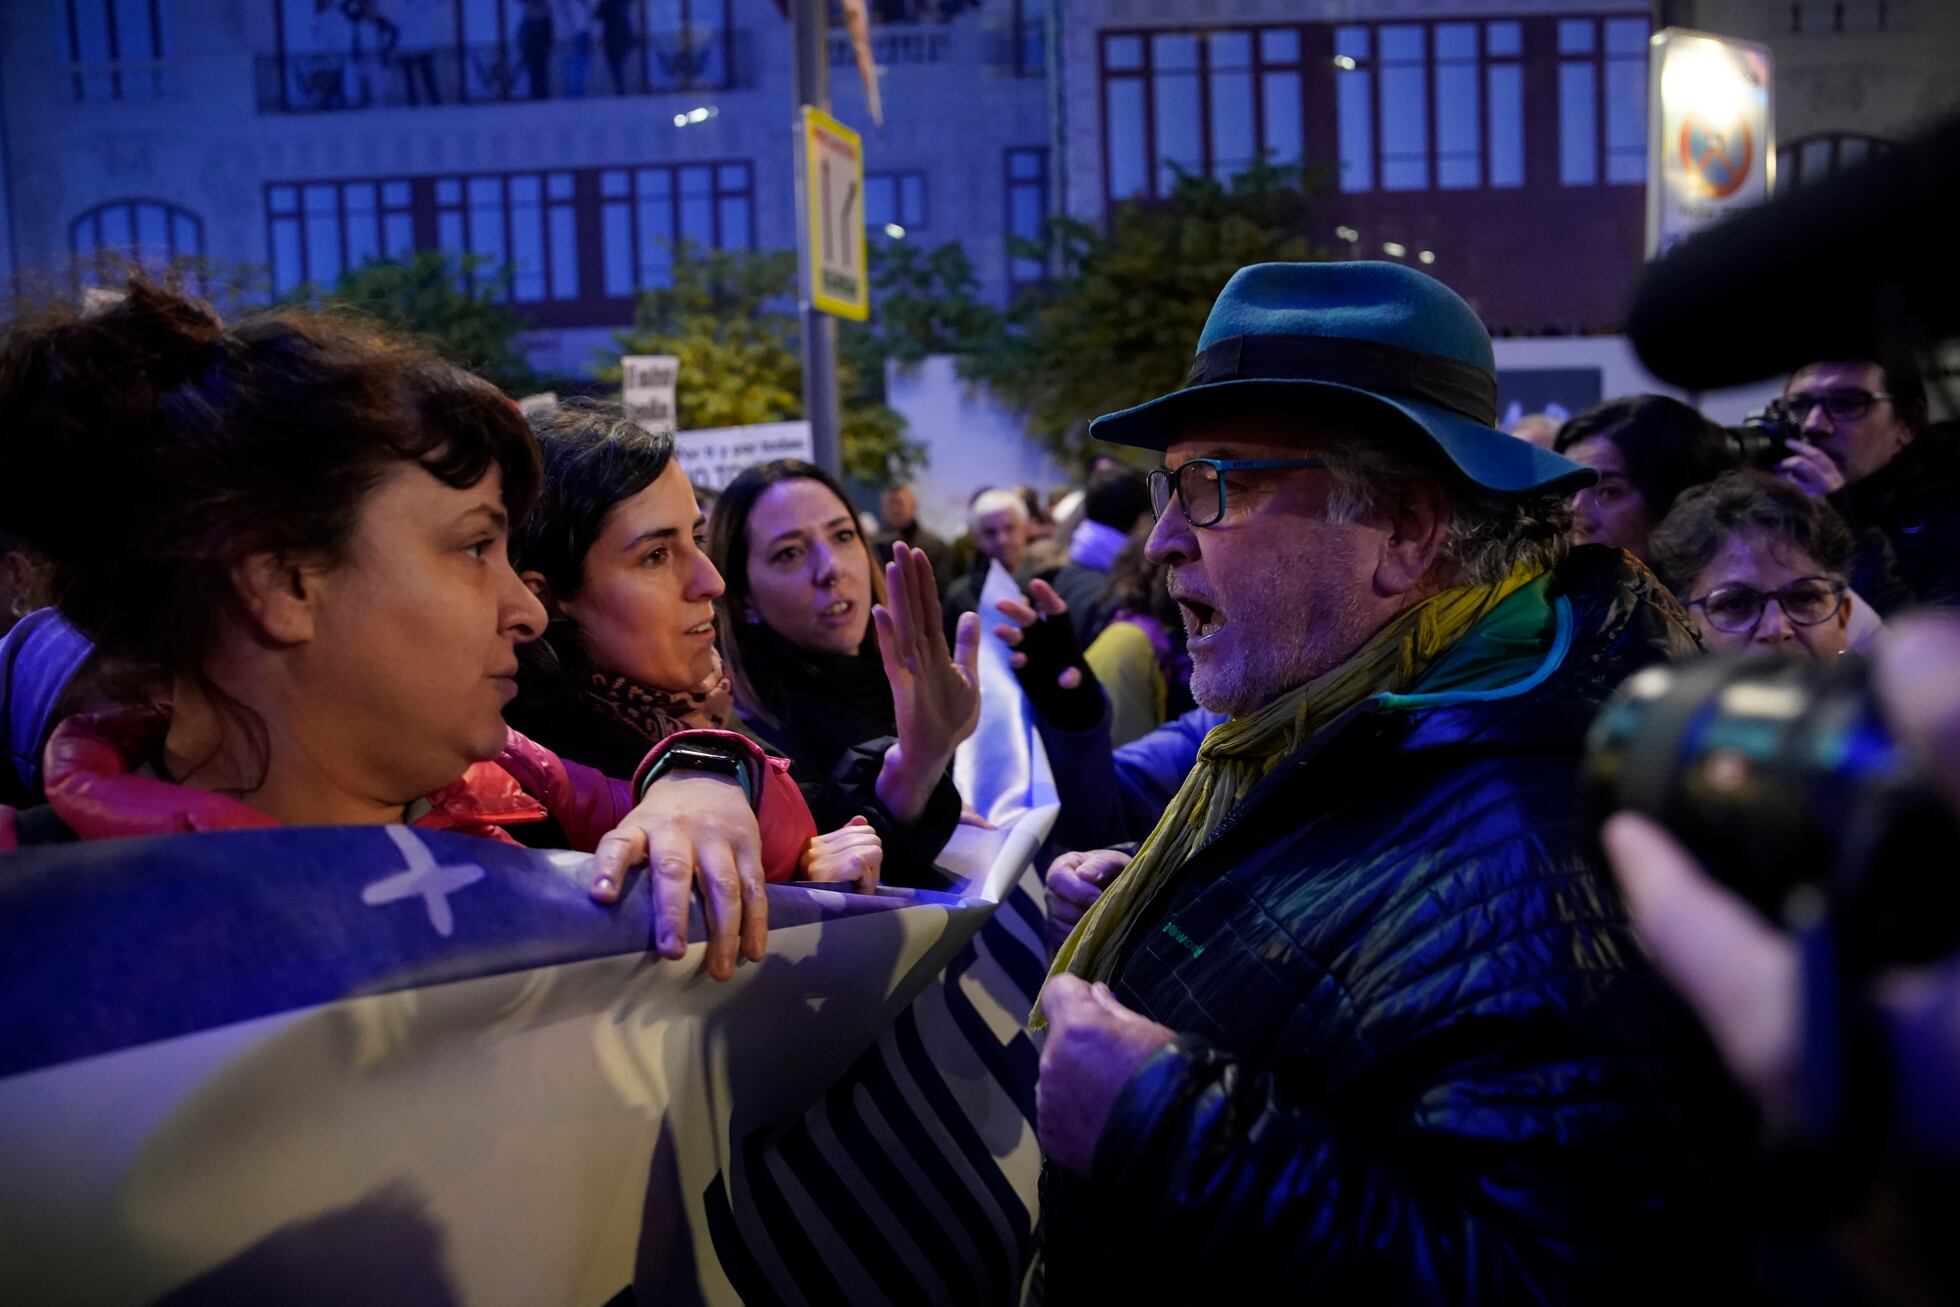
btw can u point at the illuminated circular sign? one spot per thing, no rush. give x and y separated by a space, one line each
1717 158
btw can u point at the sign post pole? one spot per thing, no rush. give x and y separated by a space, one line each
808 35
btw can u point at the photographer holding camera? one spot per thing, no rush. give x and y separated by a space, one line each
1854 1062
1857 436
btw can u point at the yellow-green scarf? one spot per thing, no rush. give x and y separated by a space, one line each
1237 754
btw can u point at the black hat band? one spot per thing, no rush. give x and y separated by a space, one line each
1362 364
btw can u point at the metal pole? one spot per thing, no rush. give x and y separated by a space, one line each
810 37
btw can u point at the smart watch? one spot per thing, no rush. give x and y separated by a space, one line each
707 756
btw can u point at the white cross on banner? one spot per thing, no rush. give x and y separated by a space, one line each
273 1066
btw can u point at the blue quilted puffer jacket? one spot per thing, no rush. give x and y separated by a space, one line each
1420 1059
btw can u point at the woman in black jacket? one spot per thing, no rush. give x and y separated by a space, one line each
868 719
614 551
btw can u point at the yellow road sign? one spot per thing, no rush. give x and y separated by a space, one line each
833 172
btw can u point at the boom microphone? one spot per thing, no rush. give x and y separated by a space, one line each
1863 265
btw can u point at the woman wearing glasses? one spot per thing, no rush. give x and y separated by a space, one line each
1761 567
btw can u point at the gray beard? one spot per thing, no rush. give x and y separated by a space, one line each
1277 667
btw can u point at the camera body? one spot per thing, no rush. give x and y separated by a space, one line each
1762 441
1784 780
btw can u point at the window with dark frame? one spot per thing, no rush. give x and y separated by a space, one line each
1402 63
116 48
315 231
1602 101
646 212
1504 101
579 243
1028 35
895 199
524 222
1436 105
1810 159
153 233
1354 106
1419 105
1027 213
1459 105
1207 103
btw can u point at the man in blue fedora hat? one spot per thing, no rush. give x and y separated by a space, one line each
1362 1018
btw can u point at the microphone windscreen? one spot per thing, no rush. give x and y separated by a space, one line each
1858 266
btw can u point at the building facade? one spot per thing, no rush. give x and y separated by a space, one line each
1500 146
574 140
1853 77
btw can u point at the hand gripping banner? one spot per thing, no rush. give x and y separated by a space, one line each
387 1066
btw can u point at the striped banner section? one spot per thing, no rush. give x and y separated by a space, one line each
913 1180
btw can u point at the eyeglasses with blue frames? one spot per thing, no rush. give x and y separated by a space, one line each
1199 484
1737 608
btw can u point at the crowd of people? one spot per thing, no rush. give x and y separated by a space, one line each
1344 992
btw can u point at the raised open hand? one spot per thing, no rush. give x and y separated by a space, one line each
935 691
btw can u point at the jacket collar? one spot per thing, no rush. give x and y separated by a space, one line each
1529 677
93 785
1536 670
1924 472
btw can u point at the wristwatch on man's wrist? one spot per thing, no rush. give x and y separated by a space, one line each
707 756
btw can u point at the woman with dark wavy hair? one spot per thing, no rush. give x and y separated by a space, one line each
1647 449
615 550
286 539
864 697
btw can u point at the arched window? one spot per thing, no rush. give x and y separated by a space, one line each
154 233
1811 159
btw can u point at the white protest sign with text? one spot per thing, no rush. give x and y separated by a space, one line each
536 408
647 389
714 456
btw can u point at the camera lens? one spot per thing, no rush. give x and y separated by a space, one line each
1783 779
1763 440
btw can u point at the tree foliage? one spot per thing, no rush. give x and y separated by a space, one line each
457 305
1118 323
925 302
729 317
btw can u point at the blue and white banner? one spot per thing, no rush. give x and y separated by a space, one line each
386 1065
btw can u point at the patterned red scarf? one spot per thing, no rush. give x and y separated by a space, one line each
657 713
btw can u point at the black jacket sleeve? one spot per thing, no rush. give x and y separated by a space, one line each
851 790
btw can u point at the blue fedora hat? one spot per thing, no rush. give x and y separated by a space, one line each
1377 331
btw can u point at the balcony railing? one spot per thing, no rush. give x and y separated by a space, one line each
296 82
